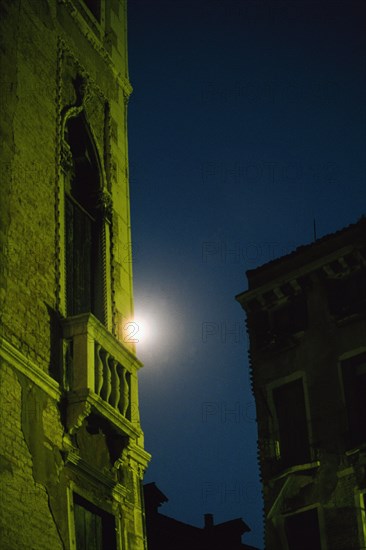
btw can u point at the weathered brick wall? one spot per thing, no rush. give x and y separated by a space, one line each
25 517
35 94
28 196
29 165
8 92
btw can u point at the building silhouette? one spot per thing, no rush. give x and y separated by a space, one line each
306 318
72 454
166 533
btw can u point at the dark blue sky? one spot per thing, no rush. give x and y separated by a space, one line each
247 121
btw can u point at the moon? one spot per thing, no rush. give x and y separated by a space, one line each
137 331
143 330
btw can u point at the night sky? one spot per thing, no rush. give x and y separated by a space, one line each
246 123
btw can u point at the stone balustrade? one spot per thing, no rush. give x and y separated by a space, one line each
100 369
111 380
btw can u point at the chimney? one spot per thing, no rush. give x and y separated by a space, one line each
209 521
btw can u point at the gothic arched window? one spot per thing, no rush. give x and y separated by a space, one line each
84 225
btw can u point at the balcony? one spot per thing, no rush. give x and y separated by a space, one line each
100 377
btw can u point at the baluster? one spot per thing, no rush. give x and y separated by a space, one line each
125 393
121 385
98 368
106 389
115 392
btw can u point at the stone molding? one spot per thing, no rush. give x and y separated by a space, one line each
293 276
98 46
29 369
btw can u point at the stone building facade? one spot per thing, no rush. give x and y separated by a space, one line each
72 453
306 318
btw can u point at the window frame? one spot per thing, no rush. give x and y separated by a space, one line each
75 489
105 221
341 359
273 420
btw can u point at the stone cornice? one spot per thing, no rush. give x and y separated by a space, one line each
29 369
244 297
139 455
75 462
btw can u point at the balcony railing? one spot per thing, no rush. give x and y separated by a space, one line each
112 380
100 375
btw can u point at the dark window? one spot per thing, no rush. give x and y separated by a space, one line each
83 222
79 248
302 531
354 383
289 403
347 296
95 7
291 317
276 325
94 528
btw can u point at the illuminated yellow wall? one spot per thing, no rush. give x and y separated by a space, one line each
58 62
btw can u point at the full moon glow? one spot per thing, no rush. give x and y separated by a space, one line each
143 330
155 330
136 331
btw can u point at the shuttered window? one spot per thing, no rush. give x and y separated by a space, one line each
84 224
79 249
94 528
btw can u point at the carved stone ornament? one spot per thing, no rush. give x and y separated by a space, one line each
104 204
118 464
66 157
118 452
80 84
76 414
